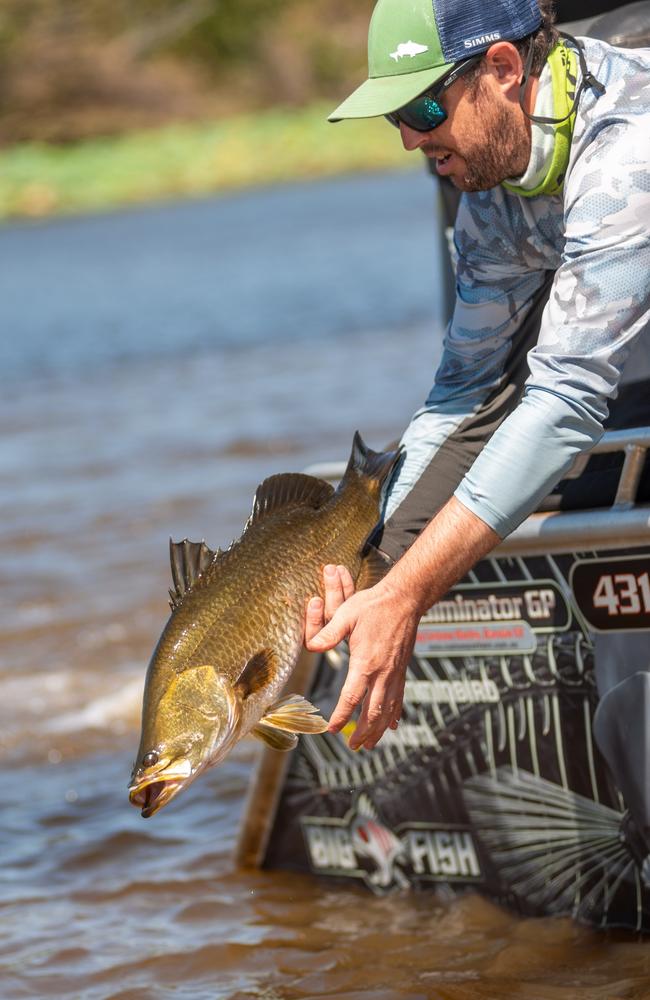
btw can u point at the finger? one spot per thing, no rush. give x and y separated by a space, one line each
381 710
334 632
314 618
334 595
369 736
397 711
375 717
347 583
351 695
396 703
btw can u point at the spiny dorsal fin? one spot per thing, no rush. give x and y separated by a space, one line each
257 673
189 560
286 490
294 714
365 807
373 466
374 567
274 738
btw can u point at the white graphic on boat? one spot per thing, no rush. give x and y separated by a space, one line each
554 847
371 839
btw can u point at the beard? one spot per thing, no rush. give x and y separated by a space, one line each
502 149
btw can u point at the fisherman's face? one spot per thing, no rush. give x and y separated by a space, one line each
486 137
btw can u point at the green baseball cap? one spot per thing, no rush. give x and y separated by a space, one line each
413 43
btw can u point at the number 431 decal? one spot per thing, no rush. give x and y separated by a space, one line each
613 594
623 593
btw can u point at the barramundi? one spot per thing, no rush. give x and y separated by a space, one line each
236 629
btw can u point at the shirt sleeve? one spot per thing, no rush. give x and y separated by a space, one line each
599 305
495 288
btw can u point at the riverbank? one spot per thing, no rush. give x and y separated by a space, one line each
96 175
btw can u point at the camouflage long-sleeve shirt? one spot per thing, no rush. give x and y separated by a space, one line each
595 236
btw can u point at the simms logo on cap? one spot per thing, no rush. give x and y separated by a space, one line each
471 43
408 49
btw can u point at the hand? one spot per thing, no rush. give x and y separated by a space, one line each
339 585
382 622
381 628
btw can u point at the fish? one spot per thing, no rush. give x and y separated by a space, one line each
371 839
408 49
236 628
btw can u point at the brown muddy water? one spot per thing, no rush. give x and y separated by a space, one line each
155 366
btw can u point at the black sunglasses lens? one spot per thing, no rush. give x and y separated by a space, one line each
422 115
425 113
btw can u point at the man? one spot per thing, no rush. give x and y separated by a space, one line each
550 141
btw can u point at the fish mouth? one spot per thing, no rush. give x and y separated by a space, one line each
154 791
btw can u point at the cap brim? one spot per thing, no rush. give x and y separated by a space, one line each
383 95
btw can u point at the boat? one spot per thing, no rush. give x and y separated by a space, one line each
521 766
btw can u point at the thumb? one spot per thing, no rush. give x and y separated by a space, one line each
334 632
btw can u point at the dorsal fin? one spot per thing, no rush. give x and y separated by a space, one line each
286 490
189 560
372 466
365 807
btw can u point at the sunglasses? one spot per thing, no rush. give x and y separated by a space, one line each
425 113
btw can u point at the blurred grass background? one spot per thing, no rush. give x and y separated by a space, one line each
38 179
106 103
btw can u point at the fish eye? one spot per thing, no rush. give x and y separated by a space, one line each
150 759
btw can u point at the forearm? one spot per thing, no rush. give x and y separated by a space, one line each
453 541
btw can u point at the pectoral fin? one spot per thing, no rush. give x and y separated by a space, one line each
274 738
258 672
294 714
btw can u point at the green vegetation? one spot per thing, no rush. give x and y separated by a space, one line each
107 103
37 179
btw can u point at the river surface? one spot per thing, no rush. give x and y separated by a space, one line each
156 365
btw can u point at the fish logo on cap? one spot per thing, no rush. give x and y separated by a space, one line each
408 49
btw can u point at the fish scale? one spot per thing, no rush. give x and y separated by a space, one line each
237 624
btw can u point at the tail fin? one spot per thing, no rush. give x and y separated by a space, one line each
554 849
374 465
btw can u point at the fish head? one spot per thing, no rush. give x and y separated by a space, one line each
374 840
183 731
